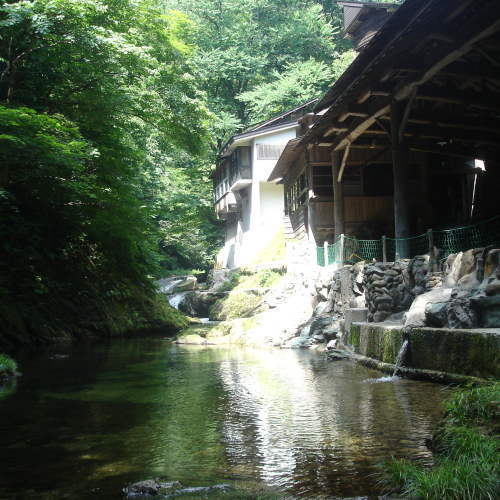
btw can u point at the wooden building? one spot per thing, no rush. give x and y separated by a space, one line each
412 128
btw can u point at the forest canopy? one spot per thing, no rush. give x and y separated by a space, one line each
111 115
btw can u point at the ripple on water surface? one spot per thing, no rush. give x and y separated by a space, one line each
110 414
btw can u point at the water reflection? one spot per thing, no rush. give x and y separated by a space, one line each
114 413
317 427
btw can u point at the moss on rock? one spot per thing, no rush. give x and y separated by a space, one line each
239 304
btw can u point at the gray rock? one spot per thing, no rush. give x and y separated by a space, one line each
188 283
416 315
435 314
198 303
460 311
380 316
150 488
488 308
337 354
332 344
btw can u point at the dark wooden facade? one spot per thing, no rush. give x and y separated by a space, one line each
423 97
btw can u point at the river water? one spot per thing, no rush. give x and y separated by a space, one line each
85 421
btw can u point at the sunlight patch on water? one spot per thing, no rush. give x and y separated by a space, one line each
379 380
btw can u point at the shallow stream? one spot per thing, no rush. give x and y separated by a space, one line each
86 420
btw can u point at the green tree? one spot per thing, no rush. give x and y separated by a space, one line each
298 83
91 90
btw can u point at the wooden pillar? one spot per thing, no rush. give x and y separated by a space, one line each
400 173
338 196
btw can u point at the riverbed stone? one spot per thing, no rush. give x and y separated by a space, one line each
150 488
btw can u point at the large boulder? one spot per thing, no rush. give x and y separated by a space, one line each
186 284
416 316
197 303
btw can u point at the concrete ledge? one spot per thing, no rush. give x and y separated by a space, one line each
416 374
472 353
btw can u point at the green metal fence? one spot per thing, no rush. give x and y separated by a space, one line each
349 250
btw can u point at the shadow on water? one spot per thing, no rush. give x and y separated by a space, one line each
94 418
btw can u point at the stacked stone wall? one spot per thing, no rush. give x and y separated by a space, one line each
387 289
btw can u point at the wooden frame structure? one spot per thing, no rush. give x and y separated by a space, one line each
428 82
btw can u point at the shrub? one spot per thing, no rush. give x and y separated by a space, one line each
7 364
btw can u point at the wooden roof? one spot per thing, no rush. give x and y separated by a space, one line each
441 56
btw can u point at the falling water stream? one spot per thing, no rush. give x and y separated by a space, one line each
85 421
400 357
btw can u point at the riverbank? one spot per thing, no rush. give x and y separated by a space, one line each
264 307
55 319
466 450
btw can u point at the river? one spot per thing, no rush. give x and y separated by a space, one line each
85 420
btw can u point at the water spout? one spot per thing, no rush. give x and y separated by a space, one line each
400 357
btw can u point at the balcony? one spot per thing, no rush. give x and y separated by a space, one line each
226 205
241 176
232 174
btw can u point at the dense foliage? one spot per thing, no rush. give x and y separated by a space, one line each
111 115
93 94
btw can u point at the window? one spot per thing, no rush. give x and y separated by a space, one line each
296 194
322 180
269 151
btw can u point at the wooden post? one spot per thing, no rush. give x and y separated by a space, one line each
338 196
400 173
432 260
384 249
325 252
341 249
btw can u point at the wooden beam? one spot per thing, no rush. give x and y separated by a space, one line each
441 61
487 56
335 128
353 110
344 161
466 71
338 195
447 133
377 109
482 100
406 114
454 121
455 150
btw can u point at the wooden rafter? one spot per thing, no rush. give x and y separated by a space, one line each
482 100
375 110
464 45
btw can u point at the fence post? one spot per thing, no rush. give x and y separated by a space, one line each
384 249
341 249
430 239
325 252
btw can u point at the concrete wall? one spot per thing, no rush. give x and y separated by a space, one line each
473 352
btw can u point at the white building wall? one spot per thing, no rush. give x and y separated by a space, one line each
261 214
262 168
